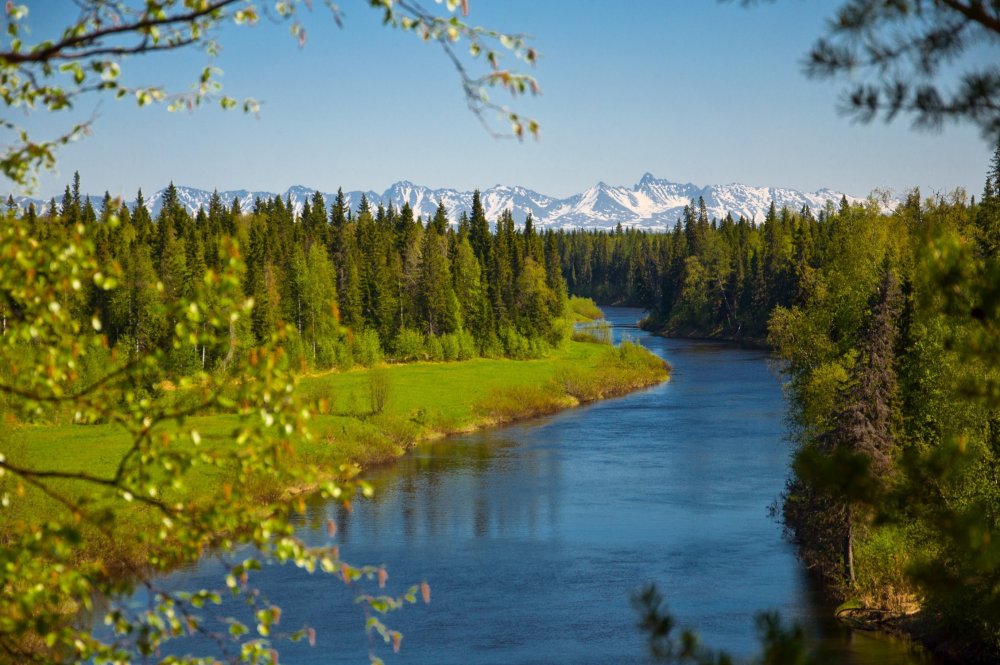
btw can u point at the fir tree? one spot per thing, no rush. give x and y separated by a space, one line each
435 296
867 420
479 231
440 220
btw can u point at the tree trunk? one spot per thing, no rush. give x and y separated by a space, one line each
848 548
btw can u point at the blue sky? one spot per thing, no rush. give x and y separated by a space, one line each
690 90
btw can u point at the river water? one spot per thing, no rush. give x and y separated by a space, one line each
532 537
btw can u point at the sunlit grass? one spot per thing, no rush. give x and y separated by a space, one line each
424 400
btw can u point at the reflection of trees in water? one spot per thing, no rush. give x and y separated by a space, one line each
482 485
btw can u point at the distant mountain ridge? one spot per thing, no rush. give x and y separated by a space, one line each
652 203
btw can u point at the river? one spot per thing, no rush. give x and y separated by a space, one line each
532 537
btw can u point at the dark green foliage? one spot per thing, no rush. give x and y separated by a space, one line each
348 286
704 278
892 348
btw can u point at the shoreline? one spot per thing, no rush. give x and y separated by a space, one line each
482 424
916 628
526 409
911 627
505 391
741 342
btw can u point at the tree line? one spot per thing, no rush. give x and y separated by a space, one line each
351 286
706 276
889 328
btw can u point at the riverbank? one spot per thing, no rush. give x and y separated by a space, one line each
910 625
663 329
365 417
917 628
425 401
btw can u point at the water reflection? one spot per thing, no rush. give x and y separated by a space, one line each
449 489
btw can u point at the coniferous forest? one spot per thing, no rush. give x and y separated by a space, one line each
352 286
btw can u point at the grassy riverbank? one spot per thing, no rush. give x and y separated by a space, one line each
366 417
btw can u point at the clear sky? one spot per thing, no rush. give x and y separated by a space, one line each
690 90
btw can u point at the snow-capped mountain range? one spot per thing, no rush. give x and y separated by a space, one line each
652 203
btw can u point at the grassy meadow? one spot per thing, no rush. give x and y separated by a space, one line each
366 417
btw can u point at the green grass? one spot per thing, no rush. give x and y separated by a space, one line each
425 401
436 398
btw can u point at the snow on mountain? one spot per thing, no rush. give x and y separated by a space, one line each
651 204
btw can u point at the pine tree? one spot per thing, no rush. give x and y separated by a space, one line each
479 231
135 311
440 220
349 279
267 302
141 219
412 260
364 206
533 245
315 223
172 268
435 296
319 305
501 282
468 287
867 421
70 214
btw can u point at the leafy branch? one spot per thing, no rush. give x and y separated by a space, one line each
89 55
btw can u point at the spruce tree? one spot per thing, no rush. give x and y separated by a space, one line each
435 296
440 220
867 420
479 231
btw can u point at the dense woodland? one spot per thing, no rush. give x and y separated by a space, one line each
717 278
348 286
890 328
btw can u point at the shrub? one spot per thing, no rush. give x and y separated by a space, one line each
409 345
327 352
491 347
183 360
449 346
882 556
401 431
584 309
515 344
559 333
466 345
379 390
433 348
621 369
367 348
343 357
295 346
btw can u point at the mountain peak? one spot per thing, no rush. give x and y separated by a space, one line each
651 205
